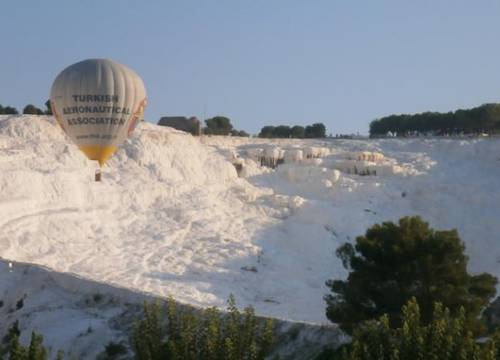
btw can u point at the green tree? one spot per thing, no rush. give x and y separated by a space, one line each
148 339
16 350
394 262
13 349
484 118
282 131
241 133
267 132
32 110
9 110
48 107
205 334
36 350
12 333
297 132
218 125
444 337
316 130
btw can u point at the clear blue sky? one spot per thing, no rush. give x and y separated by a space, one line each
262 62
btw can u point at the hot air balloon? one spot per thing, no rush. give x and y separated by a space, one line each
97 102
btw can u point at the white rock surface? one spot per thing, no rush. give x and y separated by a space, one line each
172 217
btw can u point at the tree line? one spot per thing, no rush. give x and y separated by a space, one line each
481 119
221 125
29 109
316 130
217 125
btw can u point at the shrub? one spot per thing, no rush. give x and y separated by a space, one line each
97 297
394 262
443 338
206 334
20 304
115 350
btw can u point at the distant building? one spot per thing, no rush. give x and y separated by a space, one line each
191 125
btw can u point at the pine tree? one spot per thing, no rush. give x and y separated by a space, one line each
16 350
213 346
48 106
394 262
233 348
266 338
205 334
36 350
148 334
249 329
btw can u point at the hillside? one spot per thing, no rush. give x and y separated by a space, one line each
172 217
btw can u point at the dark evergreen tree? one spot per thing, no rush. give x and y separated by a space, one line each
13 349
16 350
36 350
205 334
48 107
148 340
394 262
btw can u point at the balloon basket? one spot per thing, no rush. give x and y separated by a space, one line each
98 175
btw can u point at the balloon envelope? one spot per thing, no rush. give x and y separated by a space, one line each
98 102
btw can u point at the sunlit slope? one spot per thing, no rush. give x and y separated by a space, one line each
172 217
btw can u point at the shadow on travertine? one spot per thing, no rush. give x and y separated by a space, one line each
82 316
